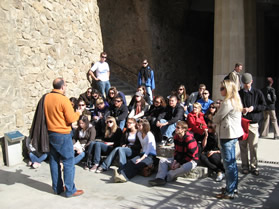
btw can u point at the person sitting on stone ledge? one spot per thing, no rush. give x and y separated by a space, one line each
167 120
100 114
119 111
139 108
152 114
142 90
184 160
129 147
84 135
195 96
111 140
95 95
74 103
135 166
87 97
197 124
112 93
205 101
211 155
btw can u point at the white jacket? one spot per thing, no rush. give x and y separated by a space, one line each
228 121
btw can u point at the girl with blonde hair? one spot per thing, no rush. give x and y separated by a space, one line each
229 129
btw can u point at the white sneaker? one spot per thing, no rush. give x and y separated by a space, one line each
220 176
36 165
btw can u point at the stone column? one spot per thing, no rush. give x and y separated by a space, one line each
229 44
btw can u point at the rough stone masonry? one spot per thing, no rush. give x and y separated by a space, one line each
41 40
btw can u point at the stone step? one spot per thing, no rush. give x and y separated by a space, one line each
197 173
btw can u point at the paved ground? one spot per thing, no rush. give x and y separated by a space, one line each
22 187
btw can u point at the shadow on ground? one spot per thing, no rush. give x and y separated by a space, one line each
254 192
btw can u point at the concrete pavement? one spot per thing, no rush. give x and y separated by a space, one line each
23 187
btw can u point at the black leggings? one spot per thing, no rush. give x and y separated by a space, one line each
213 162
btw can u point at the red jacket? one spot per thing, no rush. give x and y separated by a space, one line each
196 123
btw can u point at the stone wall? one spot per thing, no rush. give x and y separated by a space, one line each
42 40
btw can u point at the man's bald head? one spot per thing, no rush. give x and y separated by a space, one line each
58 83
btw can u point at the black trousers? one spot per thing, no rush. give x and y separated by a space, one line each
213 162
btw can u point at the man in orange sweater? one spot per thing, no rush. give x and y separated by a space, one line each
59 117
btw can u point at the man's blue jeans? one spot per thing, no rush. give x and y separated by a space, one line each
34 158
123 153
61 149
228 155
168 129
149 91
103 87
122 124
99 148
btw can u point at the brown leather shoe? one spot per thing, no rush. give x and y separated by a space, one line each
77 193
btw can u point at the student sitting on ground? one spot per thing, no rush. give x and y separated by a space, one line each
146 97
84 135
138 163
111 140
119 111
129 147
184 160
112 93
35 157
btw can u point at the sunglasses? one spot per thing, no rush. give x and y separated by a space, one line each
178 127
213 107
144 63
104 57
99 103
109 121
180 89
222 88
158 102
117 101
205 93
81 105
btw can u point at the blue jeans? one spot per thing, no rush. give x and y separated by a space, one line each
34 158
123 153
61 149
79 157
168 129
122 124
149 91
99 148
103 87
228 155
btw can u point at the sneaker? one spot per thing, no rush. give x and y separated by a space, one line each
30 163
256 172
157 182
169 141
99 170
220 176
36 165
94 168
162 143
119 178
86 168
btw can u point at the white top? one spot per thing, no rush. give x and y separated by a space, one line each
148 143
228 121
132 138
102 70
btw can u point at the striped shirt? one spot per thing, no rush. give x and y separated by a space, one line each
186 148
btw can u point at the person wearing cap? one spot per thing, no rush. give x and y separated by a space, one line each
139 108
253 104
269 113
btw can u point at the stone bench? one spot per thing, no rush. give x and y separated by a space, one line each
197 173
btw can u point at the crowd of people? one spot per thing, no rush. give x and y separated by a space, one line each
103 128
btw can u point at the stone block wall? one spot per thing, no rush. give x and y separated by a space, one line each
42 40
